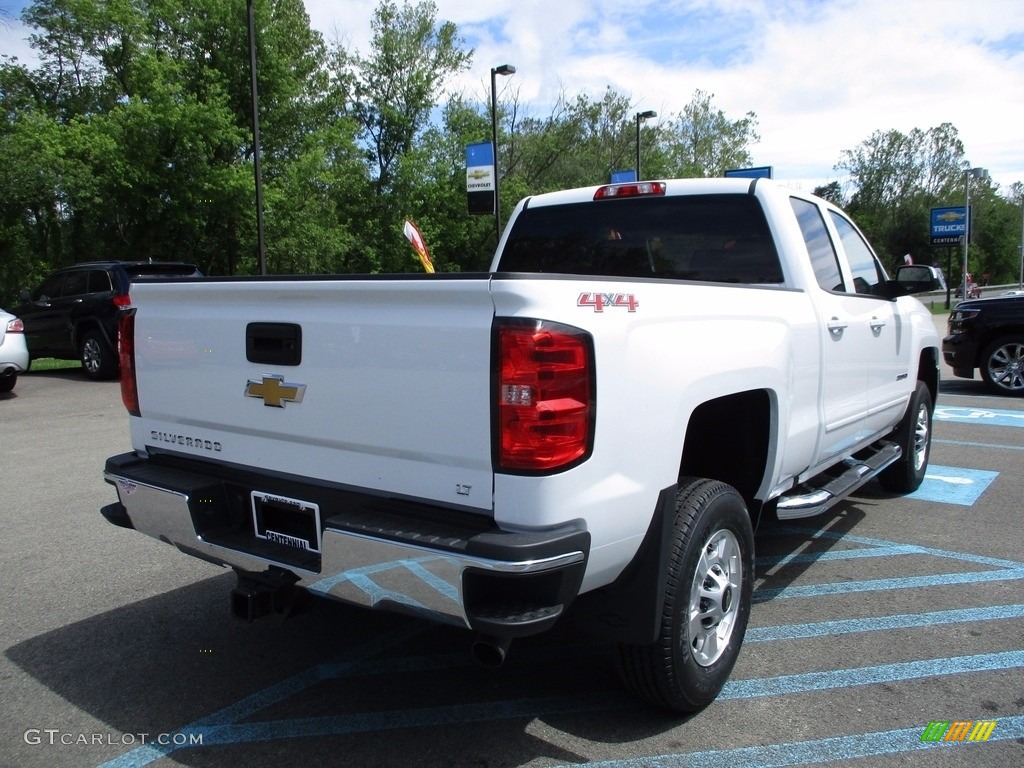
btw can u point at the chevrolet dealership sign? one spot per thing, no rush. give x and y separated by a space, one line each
480 177
949 225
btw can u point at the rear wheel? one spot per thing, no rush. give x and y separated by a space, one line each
914 436
1002 365
707 601
7 382
98 359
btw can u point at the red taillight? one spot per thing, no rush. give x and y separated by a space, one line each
15 326
126 357
122 301
633 189
545 394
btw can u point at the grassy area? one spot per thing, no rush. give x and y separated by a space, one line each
52 364
937 306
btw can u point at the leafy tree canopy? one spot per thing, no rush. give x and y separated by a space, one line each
133 139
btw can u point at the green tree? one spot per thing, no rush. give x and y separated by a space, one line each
390 93
897 178
149 150
396 85
702 141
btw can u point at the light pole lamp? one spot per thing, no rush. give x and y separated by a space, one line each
505 70
641 116
969 173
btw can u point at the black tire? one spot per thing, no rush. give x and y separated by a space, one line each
1002 365
7 382
99 361
710 571
914 436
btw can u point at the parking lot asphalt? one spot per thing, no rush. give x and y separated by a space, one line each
888 632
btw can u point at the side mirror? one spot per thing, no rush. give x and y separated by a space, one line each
916 278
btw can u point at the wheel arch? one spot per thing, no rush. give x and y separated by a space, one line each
991 333
85 325
928 371
628 609
733 439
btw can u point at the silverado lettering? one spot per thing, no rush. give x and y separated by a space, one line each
627 455
188 442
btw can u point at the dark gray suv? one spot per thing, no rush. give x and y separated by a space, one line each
73 314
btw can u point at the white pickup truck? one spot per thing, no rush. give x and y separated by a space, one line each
592 428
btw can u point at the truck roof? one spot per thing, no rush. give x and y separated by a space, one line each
671 187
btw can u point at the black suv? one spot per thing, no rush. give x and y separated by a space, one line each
988 334
73 314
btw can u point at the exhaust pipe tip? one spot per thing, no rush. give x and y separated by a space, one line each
490 651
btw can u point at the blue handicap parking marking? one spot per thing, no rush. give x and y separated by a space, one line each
243 722
970 415
953 485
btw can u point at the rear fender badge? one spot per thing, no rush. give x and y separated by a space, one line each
275 391
601 301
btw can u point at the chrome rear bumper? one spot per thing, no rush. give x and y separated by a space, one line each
504 584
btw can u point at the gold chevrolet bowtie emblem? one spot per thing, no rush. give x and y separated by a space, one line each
275 391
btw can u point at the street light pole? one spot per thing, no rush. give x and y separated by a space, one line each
969 173
260 246
1020 285
505 70
641 116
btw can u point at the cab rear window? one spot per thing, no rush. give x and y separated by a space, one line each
714 238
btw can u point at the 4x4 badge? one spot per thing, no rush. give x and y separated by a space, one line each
275 391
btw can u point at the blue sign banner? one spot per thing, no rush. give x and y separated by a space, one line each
480 196
948 225
479 154
621 177
763 172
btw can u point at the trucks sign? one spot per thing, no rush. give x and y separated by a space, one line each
948 225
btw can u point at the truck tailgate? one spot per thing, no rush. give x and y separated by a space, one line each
379 384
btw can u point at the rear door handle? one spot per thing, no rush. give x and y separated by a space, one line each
836 326
877 324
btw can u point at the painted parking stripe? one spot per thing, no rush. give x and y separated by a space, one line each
883 673
1006 570
817 533
969 415
882 623
972 444
234 733
803 558
883 585
815 752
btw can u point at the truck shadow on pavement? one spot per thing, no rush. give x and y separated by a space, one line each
787 549
365 684
179 663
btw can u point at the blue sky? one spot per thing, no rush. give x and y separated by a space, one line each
821 75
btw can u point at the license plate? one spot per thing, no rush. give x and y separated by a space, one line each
291 522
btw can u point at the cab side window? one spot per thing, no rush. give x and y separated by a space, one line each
99 281
819 245
50 289
868 274
75 284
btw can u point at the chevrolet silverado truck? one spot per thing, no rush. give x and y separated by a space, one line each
591 429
